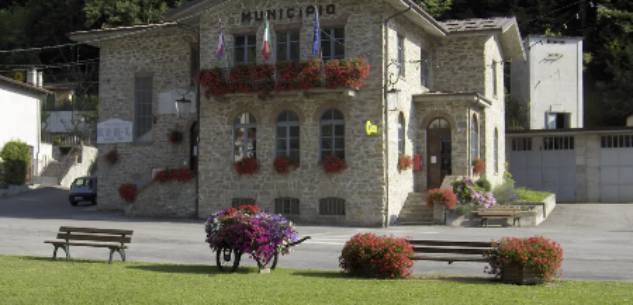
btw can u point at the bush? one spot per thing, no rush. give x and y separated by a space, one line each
468 193
3 183
367 254
484 184
505 193
538 252
16 159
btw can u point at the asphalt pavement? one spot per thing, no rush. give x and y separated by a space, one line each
596 238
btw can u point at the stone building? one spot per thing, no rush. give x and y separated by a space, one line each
434 92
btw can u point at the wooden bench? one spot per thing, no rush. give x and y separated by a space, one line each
500 213
114 240
450 251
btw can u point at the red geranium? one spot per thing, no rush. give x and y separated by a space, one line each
444 197
247 166
283 164
127 191
377 256
346 73
249 209
478 166
539 253
333 165
404 162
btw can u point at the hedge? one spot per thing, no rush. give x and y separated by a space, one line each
16 160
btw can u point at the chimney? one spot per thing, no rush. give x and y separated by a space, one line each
40 79
31 77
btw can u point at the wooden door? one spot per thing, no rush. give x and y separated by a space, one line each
439 149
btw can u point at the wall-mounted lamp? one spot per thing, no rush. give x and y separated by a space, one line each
393 99
182 106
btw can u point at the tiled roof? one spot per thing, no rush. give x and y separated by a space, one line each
479 24
15 83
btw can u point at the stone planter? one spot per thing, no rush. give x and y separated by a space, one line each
521 276
439 213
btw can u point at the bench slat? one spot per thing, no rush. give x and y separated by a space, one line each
479 251
57 242
96 230
450 259
471 244
498 214
103 238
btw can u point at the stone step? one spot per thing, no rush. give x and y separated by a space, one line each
414 223
45 180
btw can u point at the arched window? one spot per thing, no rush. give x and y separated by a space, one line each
244 137
439 123
401 131
287 142
474 139
496 151
332 134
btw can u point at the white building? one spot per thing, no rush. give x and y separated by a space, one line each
550 82
20 106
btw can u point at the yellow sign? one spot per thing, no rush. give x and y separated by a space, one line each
371 128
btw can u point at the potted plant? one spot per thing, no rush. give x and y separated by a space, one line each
333 165
525 261
404 162
175 136
283 164
369 255
478 166
128 192
247 166
112 156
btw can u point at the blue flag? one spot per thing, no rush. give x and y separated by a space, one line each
317 34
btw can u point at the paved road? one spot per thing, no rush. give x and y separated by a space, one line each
597 239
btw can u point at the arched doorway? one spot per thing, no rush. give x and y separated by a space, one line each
439 149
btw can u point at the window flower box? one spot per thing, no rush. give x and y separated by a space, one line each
334 165
282 165
247 166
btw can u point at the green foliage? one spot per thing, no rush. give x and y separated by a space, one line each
16 159
436 8
466 209
113 13
3 183
484 184
516 114
505 193
530 195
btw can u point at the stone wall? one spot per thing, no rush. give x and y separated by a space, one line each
165 54
458 64
165 200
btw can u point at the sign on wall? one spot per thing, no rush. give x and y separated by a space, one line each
288 13
114 131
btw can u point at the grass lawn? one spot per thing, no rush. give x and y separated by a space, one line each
37 280
530 195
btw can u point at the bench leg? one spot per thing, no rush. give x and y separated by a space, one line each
67 250
122 253
111 252
55 252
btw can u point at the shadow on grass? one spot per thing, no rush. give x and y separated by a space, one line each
62 259
190 269
416 277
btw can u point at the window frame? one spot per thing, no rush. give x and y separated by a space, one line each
495 79
400 55
245 137
246 46
143 108
289 43
474 138
496 150
293 206
425 61
287 125
331 122
329 34
401 133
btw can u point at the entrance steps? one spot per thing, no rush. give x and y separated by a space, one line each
415 212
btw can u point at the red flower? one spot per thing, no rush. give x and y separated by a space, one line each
404 162
282 165
537 252
175 136
333 165
377 256
444 197
179 175
127 192
478 166
247 166
112 156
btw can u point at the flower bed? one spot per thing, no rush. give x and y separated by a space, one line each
370 255
535 254
260 234
179 175
260 79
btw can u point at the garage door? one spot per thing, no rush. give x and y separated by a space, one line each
616 168
550 166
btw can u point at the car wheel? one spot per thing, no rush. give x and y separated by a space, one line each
73 203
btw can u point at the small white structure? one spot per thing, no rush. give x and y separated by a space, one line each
20 106
550 82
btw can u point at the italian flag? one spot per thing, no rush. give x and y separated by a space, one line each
266 46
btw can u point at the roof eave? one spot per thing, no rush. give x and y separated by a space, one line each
23 86
95 37
419 16
512 44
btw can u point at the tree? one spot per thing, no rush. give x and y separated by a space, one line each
113 13
436 8
16 159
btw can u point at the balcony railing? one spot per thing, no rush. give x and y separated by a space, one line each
266 79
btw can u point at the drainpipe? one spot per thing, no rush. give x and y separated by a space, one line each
198 137
386 110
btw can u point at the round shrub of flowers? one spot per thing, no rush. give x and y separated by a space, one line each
478 166
369 255
128 191
542 255
404 162
261 234
467 194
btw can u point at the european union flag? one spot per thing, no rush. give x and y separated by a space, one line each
317 34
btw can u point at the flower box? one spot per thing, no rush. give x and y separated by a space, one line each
334 165
282 165
247 166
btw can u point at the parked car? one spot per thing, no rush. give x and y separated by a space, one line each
83 189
